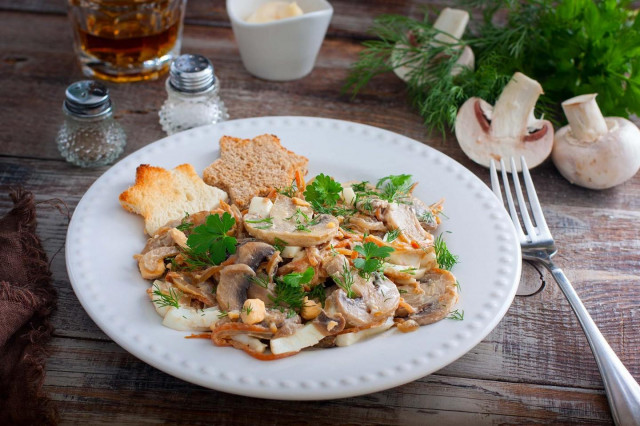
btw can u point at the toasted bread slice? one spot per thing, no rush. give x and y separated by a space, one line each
252 167
161 195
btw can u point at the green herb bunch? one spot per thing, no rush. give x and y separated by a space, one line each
571 47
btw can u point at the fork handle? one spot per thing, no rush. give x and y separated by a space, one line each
622 390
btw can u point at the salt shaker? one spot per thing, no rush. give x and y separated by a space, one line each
192 89
89 137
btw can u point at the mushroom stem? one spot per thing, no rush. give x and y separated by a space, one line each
451 23
585 119
514 107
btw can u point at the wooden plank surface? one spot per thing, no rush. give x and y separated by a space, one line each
534 367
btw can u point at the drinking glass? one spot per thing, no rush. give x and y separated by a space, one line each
126 40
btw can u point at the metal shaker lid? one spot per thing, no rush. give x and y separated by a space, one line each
87 98
191 74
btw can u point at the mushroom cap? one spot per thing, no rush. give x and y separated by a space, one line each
473 131
234 282
608 161
254 253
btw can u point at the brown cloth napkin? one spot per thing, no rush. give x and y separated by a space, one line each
27 299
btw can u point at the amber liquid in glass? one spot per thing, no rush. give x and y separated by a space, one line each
128 45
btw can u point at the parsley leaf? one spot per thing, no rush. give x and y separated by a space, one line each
373 258
211 239
324 191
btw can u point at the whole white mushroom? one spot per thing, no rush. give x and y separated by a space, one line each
593 151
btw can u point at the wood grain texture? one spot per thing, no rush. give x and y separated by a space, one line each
535 367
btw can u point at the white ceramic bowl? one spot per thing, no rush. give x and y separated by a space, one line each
280 50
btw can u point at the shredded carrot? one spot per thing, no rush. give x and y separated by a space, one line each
342 243
344 251
415 244
221 336
354 255
272 194
377 241
244 212
199 336
299 180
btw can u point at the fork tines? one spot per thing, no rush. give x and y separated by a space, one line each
532 230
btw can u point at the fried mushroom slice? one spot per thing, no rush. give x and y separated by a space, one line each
254 253
434 299
293 224
234 283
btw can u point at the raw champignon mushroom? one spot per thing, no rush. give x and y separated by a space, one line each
509 129
286 219
451 24
594 151
438 293
234 282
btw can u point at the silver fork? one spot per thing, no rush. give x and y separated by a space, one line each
538 245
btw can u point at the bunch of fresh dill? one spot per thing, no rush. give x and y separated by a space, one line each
571 47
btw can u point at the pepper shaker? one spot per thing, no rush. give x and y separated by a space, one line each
193 100
89 136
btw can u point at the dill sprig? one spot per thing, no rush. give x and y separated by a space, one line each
170 298
345 281
456 315
444 257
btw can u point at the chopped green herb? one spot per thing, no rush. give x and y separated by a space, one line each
303 222
410 271
211 239
402 291
373 258
265 220
171 298
223 314
289 291
395 188
318 293
262 280
391 235
345 281
289 191
458 286
445 259
456 315
279 244
360 187
185 225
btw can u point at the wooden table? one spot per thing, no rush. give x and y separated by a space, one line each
534 367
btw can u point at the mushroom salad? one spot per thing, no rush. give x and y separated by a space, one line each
316 264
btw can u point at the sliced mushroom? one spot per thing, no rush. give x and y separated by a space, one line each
402 216
434 299
189 289
256 291
254 253
376 298
234 282
366 224
424 214
293 224
151 263
509 129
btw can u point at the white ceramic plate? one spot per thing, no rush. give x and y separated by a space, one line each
102 239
